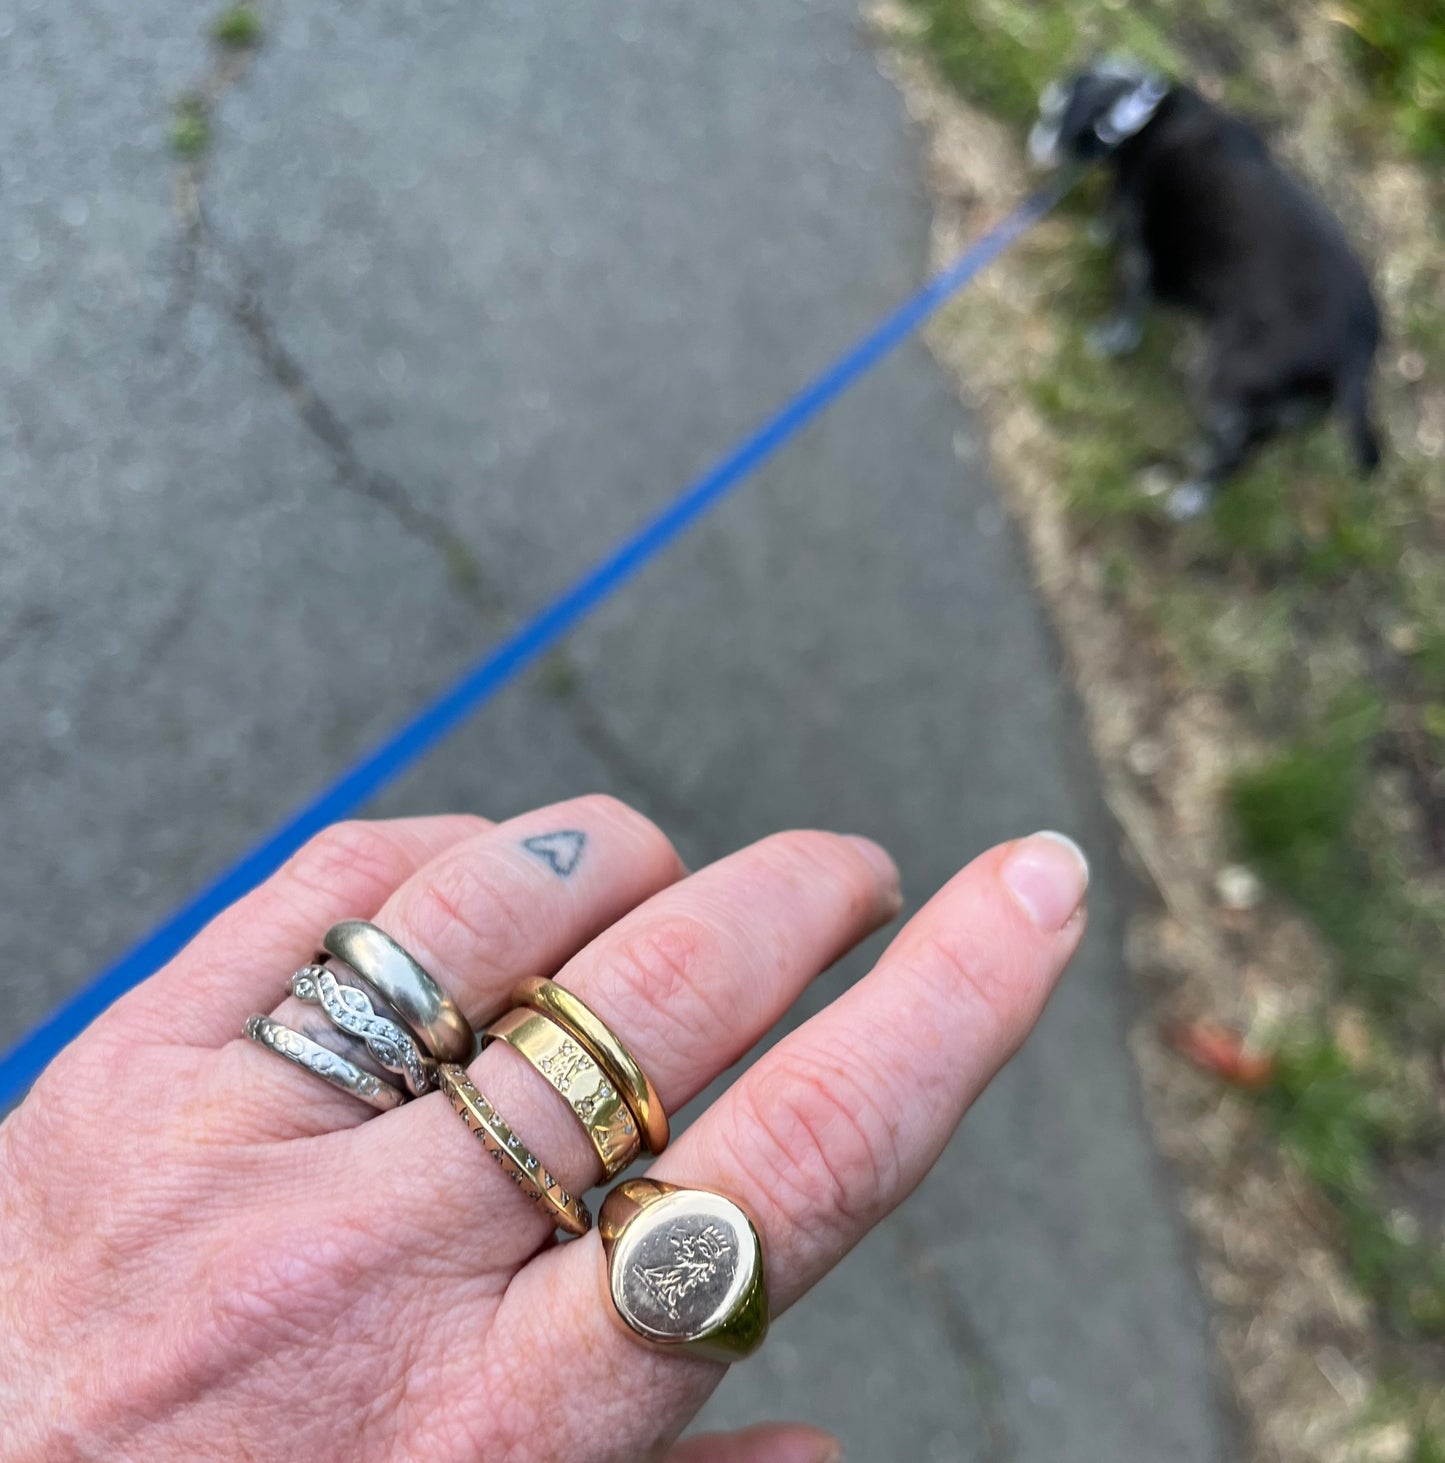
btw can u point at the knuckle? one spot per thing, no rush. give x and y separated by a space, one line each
814 861
800 852
662 968
347 855
941 960
821 1136
465 916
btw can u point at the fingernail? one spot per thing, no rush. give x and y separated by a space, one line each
882 863
1047 873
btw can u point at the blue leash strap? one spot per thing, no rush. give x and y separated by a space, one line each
384 763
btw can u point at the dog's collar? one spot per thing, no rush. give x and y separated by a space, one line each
1132 112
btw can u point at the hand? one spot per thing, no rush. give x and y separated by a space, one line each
205 1252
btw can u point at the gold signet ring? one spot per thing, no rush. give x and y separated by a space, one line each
684 1269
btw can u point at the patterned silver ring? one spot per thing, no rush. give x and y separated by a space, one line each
400 981
312 1057
350 1010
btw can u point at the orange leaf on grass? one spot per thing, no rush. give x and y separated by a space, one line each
1221 1052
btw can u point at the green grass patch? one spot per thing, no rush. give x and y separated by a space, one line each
1298 818
1306 594
1339 1122
190 127
1400 47
238 27
1000 55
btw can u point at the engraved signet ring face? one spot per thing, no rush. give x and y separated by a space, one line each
684 1269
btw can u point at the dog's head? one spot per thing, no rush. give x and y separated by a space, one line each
1088 114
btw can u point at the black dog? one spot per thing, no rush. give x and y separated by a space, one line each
1206 219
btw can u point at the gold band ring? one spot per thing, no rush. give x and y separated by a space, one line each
561 1059
517 1161
579 1021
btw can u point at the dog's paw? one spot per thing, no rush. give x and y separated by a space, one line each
1188 501
1116 337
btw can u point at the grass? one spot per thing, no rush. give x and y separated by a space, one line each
1282 599
1400 46
1302 820
1340 1120
190 127
238 27
1299 822
1001 55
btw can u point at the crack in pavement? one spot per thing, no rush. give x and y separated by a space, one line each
464 569
963 1339
432 529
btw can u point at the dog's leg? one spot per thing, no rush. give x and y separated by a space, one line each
1123 331
1232 428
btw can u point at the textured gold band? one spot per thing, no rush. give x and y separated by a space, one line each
590 1032
561 1059
517 1161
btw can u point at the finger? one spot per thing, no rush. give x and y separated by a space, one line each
770 1442
240 962
838 1123
689 981
519 899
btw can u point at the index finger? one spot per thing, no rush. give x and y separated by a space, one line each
841 1120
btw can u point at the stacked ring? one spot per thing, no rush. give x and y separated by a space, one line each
403 996
517 1161
350 1010
322 1062
404 985
618 1065
560 1058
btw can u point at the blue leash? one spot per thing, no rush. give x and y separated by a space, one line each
27 1059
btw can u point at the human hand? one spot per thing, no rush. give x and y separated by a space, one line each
207 1253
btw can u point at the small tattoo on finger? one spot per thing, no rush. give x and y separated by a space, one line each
561 851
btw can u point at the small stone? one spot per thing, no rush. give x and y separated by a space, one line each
1145 756
1155 482
1404 639
1238 887
1411 365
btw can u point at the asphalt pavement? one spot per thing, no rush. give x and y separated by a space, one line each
472 288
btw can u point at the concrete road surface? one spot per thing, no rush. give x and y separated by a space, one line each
472 288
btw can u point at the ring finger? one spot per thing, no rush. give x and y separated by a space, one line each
517 900
690 980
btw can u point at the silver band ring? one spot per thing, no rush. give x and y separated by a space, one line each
350 1010
433 1016
312 1057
